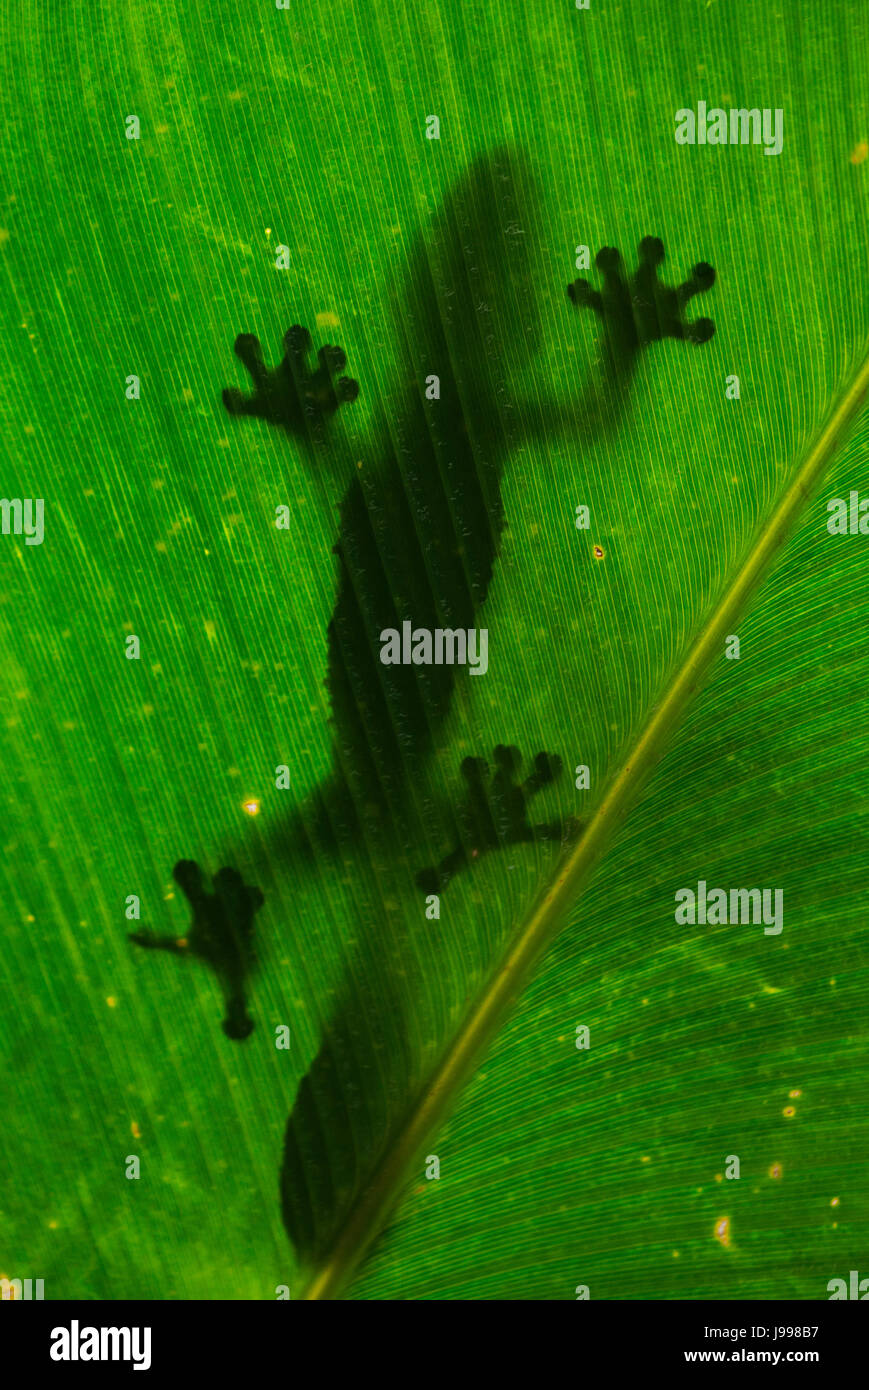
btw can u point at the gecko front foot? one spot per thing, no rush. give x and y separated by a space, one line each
221 935
495 815
642 310
292 395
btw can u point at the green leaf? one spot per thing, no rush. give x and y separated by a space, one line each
558 1167
522 952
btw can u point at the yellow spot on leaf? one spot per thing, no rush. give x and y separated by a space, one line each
859 152
111 1001
250 807
328 320
722 1230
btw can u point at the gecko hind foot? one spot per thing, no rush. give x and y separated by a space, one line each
292 394
640 310
221 935
495 812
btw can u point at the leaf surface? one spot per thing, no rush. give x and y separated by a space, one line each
558 1167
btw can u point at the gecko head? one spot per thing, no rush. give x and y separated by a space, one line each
639 309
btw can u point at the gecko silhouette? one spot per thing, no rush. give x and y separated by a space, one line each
221 935
419 537
420 523
420 528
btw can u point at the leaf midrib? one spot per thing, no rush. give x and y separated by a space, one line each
536 933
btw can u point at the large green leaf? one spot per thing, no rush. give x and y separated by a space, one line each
559 1167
